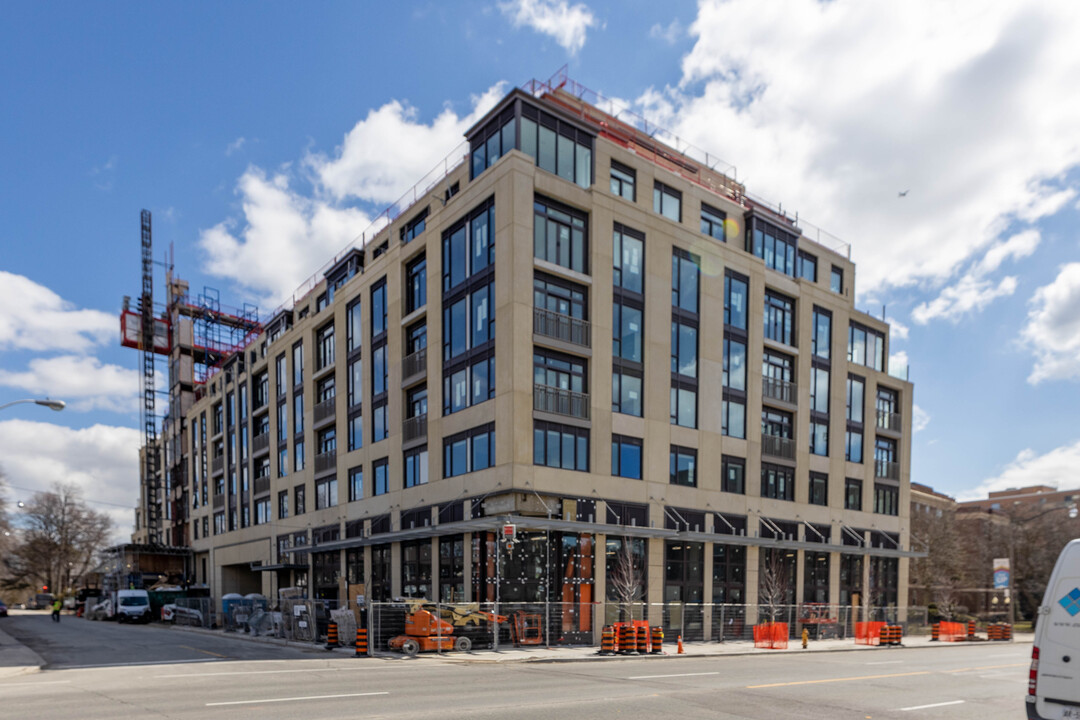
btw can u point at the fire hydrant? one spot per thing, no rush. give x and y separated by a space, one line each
805 637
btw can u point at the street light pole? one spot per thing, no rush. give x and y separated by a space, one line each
56 405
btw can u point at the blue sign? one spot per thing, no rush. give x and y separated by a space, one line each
1001 579
1071 602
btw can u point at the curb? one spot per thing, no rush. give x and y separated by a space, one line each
24 661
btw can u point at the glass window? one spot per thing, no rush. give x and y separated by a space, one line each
682 466
733 475
779 318
356 432
866 347
734 376
819 437
807 267
557 146
684 406
356 484
416 284
626 392
667 201
629 255
379 427
684 349
416 338
623 180
886 499
378 370
354 383
626 457
856 389
326 493
819 390
565 372
298 413
324 346
469 451
685 273
283 504
822 338
775 246
560 446
378 309
299 502
298 363
776 423
560 296
852 494
777 482
735 296
836 280
712 222
560 235
733 418
414 227
854 446
629 332
819 489
416 466
381 471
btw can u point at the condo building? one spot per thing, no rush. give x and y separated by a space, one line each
585 334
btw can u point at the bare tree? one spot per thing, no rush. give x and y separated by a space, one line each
626 577
775 582
59 541
940 575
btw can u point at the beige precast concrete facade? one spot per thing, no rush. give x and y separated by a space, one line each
514 182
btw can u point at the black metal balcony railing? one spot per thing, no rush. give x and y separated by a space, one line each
326 461
260 442
218 464
325 409
888 420
414 364
414 428
219 502
887 470
777 389
562 327
262 485
561 402
777 446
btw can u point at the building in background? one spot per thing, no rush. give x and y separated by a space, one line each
576 330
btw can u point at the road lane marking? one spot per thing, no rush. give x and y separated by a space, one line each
650 677
119 664
934 705
264 672
188 647
988 667
293 699
843 679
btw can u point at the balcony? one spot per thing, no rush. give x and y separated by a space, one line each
262 485
414 428
325 410
561 402
777 446
889 421
326 461
219 502
562 327
217 465
886 470
260 443
779 390
414 366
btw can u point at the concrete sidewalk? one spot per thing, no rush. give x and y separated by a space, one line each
511 654
16 658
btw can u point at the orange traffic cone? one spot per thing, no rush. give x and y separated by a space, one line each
681 651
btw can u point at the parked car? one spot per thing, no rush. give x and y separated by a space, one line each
3 609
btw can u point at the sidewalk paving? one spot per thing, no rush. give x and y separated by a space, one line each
511 654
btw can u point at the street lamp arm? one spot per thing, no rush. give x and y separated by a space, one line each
56 405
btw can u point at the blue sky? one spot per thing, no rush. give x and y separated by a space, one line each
265 136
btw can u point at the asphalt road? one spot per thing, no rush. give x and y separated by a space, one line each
984 682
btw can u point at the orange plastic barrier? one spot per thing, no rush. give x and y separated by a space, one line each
771 636
953 632
868 633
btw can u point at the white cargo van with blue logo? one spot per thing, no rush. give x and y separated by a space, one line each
1054 679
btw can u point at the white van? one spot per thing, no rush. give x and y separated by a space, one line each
132 606
1054 679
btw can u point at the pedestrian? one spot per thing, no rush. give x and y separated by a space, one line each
57 604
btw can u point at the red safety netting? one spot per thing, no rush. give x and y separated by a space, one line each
771 636
868 633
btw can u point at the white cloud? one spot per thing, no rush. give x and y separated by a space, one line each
85 383
387 152
973 113
969 294
566 23
235 146
1018 246
33 317
1056 468
919 419
102 460
897 329
1052 332
285 235
669 34
898 364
